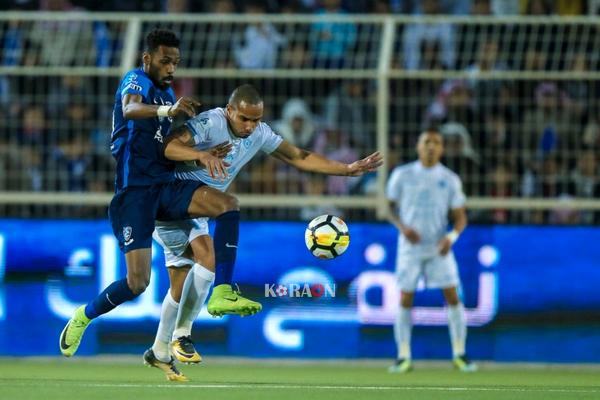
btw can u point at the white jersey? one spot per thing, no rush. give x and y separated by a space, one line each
424 197
209 129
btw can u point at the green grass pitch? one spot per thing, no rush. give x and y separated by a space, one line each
116 378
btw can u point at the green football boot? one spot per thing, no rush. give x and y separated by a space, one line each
401 366
225 300
71 335
464 364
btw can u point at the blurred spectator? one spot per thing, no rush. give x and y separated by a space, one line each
485 91
218 52
13 44
295 55
501 180
570 7
297 124
177 6
578 91
292 7
336 145
348 109
329 41
71 152
380 7
70 89
261 42
64 43
316 185
416 33
453 103
538 7
461 157
546 128
33 130
585 182
505 7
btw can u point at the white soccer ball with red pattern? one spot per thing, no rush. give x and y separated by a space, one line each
327 236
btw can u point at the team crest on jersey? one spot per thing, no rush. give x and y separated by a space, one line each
127 231
442 184
205 122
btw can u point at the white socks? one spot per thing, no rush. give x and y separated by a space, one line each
457 326
195 290
402 332
168 315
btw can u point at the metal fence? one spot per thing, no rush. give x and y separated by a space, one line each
515 99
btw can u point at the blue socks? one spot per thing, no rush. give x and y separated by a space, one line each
226 241
116 293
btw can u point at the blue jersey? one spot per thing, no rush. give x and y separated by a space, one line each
137 144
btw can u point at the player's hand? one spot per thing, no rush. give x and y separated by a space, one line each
216 167
412 235
221 150
367 164
444 245
185 106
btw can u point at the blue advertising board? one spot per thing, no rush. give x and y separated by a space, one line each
530 293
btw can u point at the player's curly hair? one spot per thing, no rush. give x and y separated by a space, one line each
161 37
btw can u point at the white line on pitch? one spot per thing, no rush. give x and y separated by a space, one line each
319 387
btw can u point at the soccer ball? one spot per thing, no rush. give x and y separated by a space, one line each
327 237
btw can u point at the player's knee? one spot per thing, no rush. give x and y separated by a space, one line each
176 293
451 296
452 300
406 300
230 203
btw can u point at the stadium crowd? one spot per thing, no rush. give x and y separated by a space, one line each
526 138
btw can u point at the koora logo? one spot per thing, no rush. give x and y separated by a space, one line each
300 290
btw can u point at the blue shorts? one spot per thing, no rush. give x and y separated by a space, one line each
132 212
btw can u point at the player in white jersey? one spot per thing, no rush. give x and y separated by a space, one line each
422 194
237 134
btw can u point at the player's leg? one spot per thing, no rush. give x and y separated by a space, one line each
207 201
442 272
195 291
185 199
457 326
408 272
132 221
168 313
159 355
174 237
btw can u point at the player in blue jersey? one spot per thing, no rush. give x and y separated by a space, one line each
238 134
146 189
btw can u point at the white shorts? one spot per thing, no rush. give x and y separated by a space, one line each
439 272
175 236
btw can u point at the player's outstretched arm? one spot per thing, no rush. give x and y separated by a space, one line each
179 147
312 162
134 108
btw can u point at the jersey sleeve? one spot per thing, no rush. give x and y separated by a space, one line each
270 140
200 127
394 185
457 197
135 84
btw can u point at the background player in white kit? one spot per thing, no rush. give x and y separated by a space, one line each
237 134
422 195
